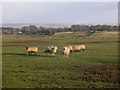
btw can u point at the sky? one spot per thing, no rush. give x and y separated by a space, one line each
60 12
59 0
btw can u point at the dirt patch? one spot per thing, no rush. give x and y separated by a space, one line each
108 34
95 73
63 33
112 32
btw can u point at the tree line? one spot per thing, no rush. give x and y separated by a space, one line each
74 28
42 31
32 29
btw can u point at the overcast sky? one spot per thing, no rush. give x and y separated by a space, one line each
60 12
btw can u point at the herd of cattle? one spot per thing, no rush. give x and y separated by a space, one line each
53 49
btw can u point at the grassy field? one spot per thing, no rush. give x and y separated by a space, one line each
97 67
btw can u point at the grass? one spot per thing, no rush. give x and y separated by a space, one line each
97 67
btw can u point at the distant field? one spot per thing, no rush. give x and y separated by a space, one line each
97 67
